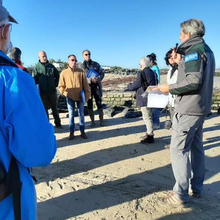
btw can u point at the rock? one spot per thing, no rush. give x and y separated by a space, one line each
109 111
131 113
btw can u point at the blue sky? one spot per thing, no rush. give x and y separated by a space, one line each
117 32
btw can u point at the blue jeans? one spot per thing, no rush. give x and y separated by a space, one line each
156 117
71 109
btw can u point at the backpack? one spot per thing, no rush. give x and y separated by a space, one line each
10 182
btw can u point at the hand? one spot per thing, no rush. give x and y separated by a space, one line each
176 57
164 88
154 89
94 80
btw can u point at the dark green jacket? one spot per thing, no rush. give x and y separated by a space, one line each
194 84
47 76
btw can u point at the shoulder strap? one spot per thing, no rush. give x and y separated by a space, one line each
5 62
14 184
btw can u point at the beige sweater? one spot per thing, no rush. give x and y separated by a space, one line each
71 83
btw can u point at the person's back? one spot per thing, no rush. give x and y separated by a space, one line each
25 133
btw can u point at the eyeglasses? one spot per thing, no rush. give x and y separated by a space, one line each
74 60
87 54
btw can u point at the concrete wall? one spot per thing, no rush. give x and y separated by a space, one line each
128 99
119 99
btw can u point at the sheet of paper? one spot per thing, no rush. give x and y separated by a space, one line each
157 99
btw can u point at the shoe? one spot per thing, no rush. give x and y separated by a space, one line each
171 199
83 135
71 136
148 140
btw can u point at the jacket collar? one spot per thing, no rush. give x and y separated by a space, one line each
43 64
185 46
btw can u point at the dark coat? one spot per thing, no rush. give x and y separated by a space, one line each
98 87
144 79
47 76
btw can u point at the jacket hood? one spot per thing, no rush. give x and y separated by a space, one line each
185 46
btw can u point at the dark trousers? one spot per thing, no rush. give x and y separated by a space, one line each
50 100
97 98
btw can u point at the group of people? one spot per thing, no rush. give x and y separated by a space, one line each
73 83
27 138
190 88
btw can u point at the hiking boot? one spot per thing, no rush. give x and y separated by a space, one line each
149 139
71 136
83 135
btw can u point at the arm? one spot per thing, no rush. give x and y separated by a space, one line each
193 75
31 137
86 87
56 76
136 84
101 72
62 85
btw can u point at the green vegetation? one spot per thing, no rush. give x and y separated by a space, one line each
217 73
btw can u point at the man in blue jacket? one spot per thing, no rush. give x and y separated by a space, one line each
144 79
30 140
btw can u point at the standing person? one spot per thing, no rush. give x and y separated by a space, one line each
25 141
155 68
72 82
194 89
171 79
15 55
47 77
95 86
144 79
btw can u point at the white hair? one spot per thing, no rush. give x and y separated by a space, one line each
145 62
195 27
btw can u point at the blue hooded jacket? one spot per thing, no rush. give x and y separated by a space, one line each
24 133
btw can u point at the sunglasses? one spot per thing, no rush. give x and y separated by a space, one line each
74 60
87 54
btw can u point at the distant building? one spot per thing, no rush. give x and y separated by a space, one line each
59 65
106 67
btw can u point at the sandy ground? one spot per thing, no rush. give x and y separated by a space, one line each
111 176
